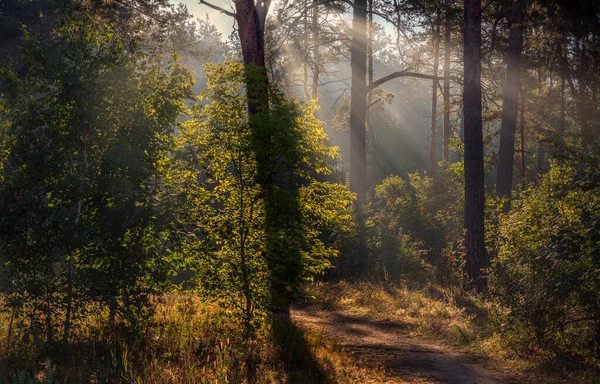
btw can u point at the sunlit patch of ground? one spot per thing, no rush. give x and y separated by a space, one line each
431 335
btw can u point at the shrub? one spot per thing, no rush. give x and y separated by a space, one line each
415 224
548 268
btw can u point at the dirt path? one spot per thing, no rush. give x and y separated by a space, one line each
405 357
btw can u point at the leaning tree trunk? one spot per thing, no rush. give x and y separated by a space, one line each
474 171
510 102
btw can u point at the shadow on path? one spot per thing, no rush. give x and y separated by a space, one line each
296 354
387 344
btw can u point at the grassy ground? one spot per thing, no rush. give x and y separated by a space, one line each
186 341
456 319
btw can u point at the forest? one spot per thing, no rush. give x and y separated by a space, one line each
299 191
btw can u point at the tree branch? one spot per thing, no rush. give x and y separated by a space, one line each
395 75
216 7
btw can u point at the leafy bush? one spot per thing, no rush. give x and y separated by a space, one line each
415 225
84 130
548 268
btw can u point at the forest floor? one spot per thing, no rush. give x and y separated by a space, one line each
404 356
407 344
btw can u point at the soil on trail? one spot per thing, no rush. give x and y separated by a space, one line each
405 357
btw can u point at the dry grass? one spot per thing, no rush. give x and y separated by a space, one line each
435 312
189 341
455 318
186 341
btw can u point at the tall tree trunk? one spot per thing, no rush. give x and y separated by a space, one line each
446 128
306 43
434 94
474 172
374 172
251 31
316 53
281 205
358 103
510 102
358 109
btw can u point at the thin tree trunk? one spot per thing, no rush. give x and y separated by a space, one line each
540 158
510 102
316 53
374 176
446 109
49 327
474 170
305 80
10 328
522 141
305 61
563 75
434 89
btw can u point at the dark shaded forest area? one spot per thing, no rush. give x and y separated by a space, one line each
327 178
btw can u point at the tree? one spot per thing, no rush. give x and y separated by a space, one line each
435 42
446 130
510 102
221 207
358 102
474 171
77 197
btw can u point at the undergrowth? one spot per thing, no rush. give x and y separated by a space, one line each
186 341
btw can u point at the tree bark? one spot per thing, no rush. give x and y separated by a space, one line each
510 102
307 94
358 103
434 94
358 109
316 53
446 128
474 170
374 172
251 31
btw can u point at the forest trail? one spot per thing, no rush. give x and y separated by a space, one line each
405 357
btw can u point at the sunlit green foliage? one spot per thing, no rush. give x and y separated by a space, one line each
547 272
87 124
222 200
415 225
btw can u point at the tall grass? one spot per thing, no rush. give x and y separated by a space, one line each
185 341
